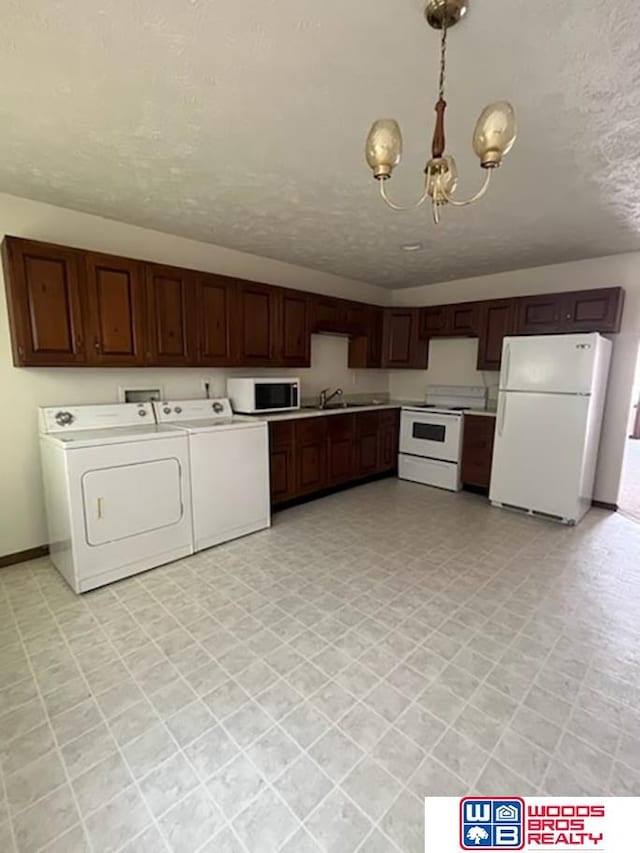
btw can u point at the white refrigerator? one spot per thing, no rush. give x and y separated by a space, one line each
550 408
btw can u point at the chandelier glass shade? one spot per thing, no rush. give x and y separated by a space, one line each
494 135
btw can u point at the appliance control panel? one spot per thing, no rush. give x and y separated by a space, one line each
168 411
54 419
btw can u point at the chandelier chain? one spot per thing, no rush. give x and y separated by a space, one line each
443 50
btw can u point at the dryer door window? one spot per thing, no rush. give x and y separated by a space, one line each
130 500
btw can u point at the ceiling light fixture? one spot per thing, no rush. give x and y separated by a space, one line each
493 138
412 247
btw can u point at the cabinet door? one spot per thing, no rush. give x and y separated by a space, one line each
388 438
367 427
170 316
477 450
539 315
116 310
327 314
44 302
594 310
257 321
294 335
435 321
496 322
282 461
340 449
311 454
464 319
214 300
365 350
356 316
402 345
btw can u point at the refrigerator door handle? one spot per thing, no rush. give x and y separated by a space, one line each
502 414
507 365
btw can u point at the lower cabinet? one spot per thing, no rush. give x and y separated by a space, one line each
309 455
477 450
340 448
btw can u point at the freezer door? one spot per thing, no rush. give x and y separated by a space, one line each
560 364
539 450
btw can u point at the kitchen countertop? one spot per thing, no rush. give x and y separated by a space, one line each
317 413
484 413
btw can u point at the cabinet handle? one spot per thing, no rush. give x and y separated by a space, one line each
96 346
99 502
79 342
568 316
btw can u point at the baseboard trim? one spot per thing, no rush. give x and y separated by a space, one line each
332 490
23 556
605 505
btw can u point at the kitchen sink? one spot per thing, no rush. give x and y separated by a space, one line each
332 407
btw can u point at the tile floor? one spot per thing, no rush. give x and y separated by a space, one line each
302 689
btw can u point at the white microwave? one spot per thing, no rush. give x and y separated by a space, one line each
253 396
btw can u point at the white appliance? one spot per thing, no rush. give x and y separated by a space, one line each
550 407
431 435
253 396
117 491
229 458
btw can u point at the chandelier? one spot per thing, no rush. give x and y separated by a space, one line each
493 138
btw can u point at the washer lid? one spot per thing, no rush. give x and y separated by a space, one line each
77 438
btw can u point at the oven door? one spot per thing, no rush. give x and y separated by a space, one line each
276 396
434 436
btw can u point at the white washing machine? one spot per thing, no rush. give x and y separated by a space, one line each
117 491
229 468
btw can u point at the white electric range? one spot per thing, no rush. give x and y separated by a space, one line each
431 435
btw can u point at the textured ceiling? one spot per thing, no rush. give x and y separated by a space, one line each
242 123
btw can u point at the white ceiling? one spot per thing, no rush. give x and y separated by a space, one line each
242 123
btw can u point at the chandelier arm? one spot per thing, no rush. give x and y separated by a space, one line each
394 206
474 198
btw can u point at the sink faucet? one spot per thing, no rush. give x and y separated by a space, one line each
325 398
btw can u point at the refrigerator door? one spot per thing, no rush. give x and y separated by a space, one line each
539 451
559 364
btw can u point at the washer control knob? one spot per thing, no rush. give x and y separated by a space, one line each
177 410
64 418
217 408
167 410
142 413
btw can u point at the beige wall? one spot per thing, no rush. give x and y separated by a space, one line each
617 270
22 390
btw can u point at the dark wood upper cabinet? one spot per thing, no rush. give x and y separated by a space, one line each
464 319
365 350
402 345
116 321
214 299
435 321
327 314
73 307
539 315
294 336
43 287
256 325
171 318
477 450
594 310
497 319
